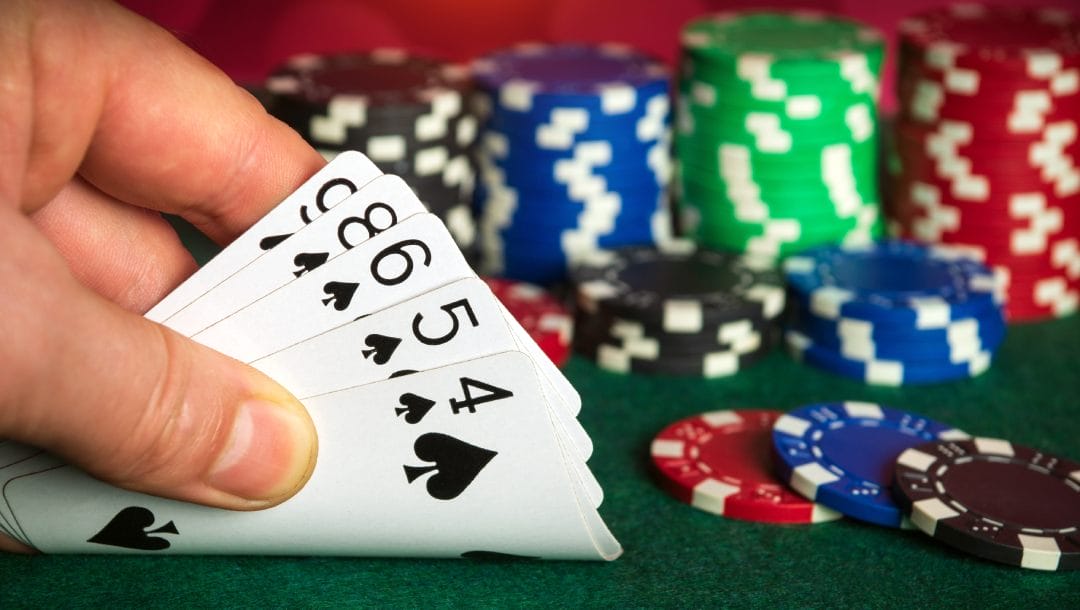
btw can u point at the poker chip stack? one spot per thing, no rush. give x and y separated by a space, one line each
543 316
776 134
573 156
676 310
893 313
408 114
986 146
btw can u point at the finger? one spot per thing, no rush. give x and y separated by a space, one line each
132 402
128 255
156 125
8 545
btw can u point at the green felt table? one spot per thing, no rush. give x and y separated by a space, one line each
675 555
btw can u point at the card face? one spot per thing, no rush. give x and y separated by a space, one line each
446 462
32 461
329 186
378 206
398 264
461 320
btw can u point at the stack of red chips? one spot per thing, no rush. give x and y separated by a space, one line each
986 146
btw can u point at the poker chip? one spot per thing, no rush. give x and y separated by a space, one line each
893 313
542 316
408 114
572 157
776 135
995 500
676 309
841 455
984 155
721 462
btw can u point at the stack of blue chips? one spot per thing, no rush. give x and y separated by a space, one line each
573 157
894 313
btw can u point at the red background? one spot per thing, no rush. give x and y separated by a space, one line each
246 38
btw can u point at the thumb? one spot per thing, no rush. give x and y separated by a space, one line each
134 403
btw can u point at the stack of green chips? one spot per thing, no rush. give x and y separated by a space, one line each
777 131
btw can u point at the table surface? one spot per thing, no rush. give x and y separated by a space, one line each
675 555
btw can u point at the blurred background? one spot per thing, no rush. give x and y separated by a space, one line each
248 38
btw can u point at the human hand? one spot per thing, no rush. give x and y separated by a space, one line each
107 120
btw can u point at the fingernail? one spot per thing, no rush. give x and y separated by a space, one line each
269 456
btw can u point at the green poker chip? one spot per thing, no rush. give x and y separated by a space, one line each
776 132
799 42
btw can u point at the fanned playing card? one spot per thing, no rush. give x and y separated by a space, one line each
443 430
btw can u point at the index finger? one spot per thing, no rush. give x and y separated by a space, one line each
140 116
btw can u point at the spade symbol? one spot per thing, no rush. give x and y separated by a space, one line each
382 347
306 261
456 464
340 293
128 529
273 240
415 407
493 556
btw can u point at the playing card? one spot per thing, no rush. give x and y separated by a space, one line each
12 451
329 186
480 471
460 320
376 207
398 264
32 460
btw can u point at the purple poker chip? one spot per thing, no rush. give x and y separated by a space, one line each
568 69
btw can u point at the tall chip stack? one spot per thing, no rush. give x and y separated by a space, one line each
776 131
573 156
986 146
408 114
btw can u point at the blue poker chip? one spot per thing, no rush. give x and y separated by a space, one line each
889 372
959 342
841 454
539 175
891 281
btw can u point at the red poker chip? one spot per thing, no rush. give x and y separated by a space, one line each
1022 114
721 462
1050 297
990 195
994 37
542 316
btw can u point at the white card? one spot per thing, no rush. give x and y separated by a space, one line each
340 178
381 204
398 264
480 471
456 322
32 460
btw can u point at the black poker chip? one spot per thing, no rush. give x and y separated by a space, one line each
994 499
714 336
637 357
678 287
409 114
676 310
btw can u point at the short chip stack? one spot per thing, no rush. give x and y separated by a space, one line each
676 310
573 156
986 146
408 114
893 313
776 133
544 317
